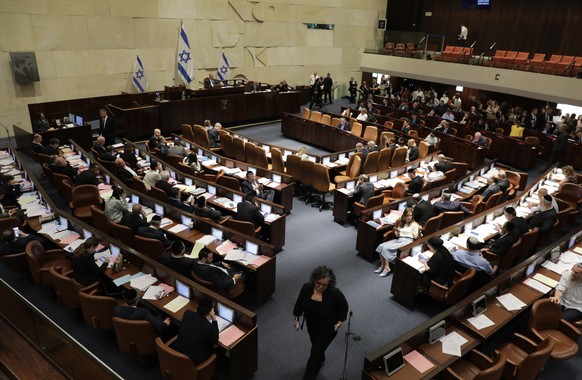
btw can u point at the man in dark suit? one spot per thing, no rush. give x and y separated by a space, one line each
134 219
248 211
176 260
106 127
157 140
132 311
153 231
443 164
164 182
559 146
202 209
37 146
89 176
217 273
364 190
9 190
507 239
99 146
129 157
412 150
344 125
13 244
444 127
545 218
214 135
251 185
519 222
415 184
327 84
531 118
493 188
423 210
445 204
363 150
209 82
52 147
175 200
126 174
198 333
63 167
41 124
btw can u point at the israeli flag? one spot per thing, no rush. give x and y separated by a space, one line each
223 72
184 58
140 81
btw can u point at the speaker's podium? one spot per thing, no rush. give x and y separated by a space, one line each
174 92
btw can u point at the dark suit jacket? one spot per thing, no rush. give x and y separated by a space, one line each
19 245
100 149
345 126
181 205
415 185
502 245
133 221
246 187
107 129
413 155
208 85
67 170
208 212
125 176
197 337
86 177
489 191
521 226
49 150
140 314
215 275
445 166
364 192
248 212
38 148
41 125
12 191
165 186
129 159
152 233
85 271
181 265
544 220
423 211
214 138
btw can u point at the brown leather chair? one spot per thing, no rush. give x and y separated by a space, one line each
227 144
352 170
306 179
371 163
15 262
261 159
135 337
139 186
371 133
293 165
98 310
67 289
413 133
277 163
384 158
47 171
432 225
243 227
177 366
123 233
40 261
229 182
186 131
149 247
85 196
514 179
528 242
158 194
525 358
476 204
334 121
9 223
182 167
385 136
173 160
422 149
452 295
100 220
43 158
398 157
356 129
451 175
546 322
477 366
201 137
325 119
230 293
535 143
57 180
461 167
322 184
374 201
572 194
492 201
250 153
506 261
315 116
305 113
238 146
67 189
451 217
398 192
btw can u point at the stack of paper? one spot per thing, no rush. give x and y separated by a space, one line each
178 228
537 286
481 322
511 302
558 268
143 282
452 343
195 250
418 361
569 257
176 304
414 262
206 240
545 280
226 247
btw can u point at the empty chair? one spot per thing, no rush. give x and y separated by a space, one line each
525 358
461 167
123 233
238 152
432 225
67 289
571 193
374 201
243 227
352 170
498 56
229 182
250 152
261 159
40 261
398 192
451 175
315 116
528 242
158 194
451 217
149 247
389 124
293 165
67 189
413 133
371 163
305 113
177 366
226 143
322 184
477 366
546 322
100 220
455 293
15 262
492 201
326 119
335 122
356 129
398 157
384 158
422 149
135 337
186 131
277 163
370 133
85 196
508 259
98 310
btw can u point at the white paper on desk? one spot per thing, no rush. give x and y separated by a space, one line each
74 245
578 250
511 302
61 235
49 228
236 254
37 212
23 200
535 284
481 322
165 222
570 258
6 161
206 239
178 228
345 191
176 304
272 217
522 211
143 282
452 343
558 268
414 262
150 294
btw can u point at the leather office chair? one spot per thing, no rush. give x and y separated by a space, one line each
326 119
67 289
451 175
384 159
476 204
492 201
572 194
98 310
123 234
374 201
261 159
238 146
149 149
452 295
9 223
100 220
352 170
451 217
398 157
243 227
182 167
67 189
544 238
371 163
15 262
514 179
40 261
149 247
356 129
413 133
385 136
187 132
158 194
229 182
546 322
227 142
173 160
506 261
201 137
277 163
461 167
43 158
293 165
528 242
177 366
230 293
139 186
334 122
322 184
305 113
525 357
136 338
454 131
306 180
371 133
397 192
488 142
432 225
468 137
315 116
57 181
500 131
422 149
47 171
84 196
477 366
250 152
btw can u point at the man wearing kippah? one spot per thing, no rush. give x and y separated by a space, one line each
472 257
131 310
545 218
569 294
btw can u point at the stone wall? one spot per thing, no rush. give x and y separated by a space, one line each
87 48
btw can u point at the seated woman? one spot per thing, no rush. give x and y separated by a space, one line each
569 175
192 160
116 205
85 271
440 268
406 231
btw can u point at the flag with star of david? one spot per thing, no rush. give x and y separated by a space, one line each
223 72
140 81
184 57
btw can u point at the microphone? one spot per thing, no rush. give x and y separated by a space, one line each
473 44
494 43
423 38
136 103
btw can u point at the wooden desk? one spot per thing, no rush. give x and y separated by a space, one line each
496 313
82 135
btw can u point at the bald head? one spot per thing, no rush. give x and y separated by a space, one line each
477 135
101 140
165 175
119 162
136 209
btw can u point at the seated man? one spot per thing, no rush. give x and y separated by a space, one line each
214 135
52 147
176 260
209 82
134 219
472 257
89 177
11 211
415 184
344 125
41 124
519 222
569 294
132 311
445 204
364 190
479 140
423 210
64 168
202 209
103 151
431 139
126 174
251 185
503 181
443 164
157 140
175 200
546 217
10 191
129 157
372 147
542 192
444 127
153 175
153 231
164 182
198 333
217 273
508 237
248 211
37 146
13 244
177 149
493 188
363 151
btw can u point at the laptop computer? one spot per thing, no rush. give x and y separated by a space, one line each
224 316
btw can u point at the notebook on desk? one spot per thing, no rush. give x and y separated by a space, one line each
224 317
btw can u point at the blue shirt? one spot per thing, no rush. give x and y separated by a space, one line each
473 259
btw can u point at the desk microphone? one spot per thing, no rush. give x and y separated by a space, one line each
136 103
491 47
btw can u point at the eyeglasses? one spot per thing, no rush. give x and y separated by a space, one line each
321 284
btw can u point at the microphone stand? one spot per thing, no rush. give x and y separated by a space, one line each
7 133
344 375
